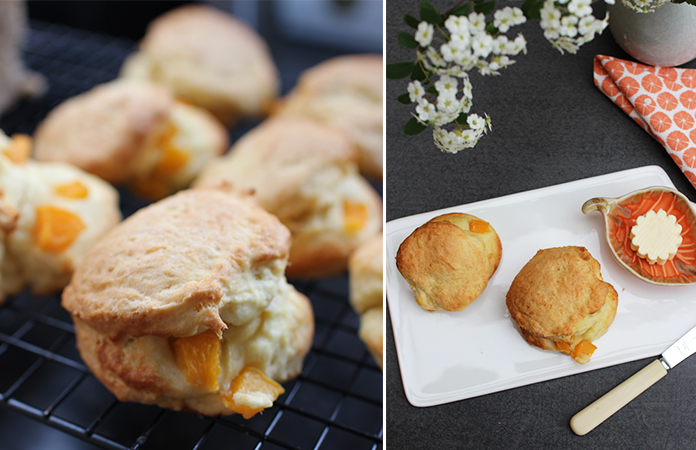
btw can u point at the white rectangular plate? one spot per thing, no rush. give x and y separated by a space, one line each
446 357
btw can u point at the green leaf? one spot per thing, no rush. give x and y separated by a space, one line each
405 99
432 90
399 70
462 10
418 73
411 21
491 29
461 120
532 8
407 40
430 14
413 127
484 7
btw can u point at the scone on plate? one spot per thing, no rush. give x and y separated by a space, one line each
345 92
132 132
185 305
448 261
210 59
365 268
560 302
50 216
304 173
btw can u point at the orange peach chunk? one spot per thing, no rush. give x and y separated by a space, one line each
582 351
20 148
478 226
354 216
199 358
250 381
74 190
55 229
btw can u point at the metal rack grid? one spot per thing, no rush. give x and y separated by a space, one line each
336 402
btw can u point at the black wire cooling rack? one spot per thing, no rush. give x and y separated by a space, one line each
336 402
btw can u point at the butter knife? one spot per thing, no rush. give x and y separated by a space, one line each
587 419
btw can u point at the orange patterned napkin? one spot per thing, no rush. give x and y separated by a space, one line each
662 100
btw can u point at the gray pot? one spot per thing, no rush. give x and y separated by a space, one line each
665 37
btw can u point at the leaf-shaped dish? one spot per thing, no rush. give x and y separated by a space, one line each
620 214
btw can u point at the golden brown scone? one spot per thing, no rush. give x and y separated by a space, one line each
559 301
365 268
345 92
185 305
372 334
51 214
209 58
131 132
304 173
449 260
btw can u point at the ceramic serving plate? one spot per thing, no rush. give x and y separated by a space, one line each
446 357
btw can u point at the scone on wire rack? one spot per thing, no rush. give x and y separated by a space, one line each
559 302
185 305
448 261
345 92
209 58
304 173
129 132
50 216
365 268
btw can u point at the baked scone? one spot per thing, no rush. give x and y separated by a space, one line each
366 273
209 58
560 302
345 92
132 132
449 260
185 305
305 174
50 216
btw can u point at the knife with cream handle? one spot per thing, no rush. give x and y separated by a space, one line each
587 419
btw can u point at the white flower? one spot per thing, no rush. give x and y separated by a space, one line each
447 85
424 34
516 46
568 26
550 15
518 17
425 110
500 44
459 40
466 88
477 23
434 57
457 24
609 2
448 104
502 19
580 8
415 90
475 121
449 53
482 44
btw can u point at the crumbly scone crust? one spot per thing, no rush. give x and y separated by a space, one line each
101 130
345 92
144 369
556 292
282 161
209 58
446 265
163 271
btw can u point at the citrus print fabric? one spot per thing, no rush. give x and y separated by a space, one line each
662 100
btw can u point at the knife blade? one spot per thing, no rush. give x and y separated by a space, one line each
604 407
